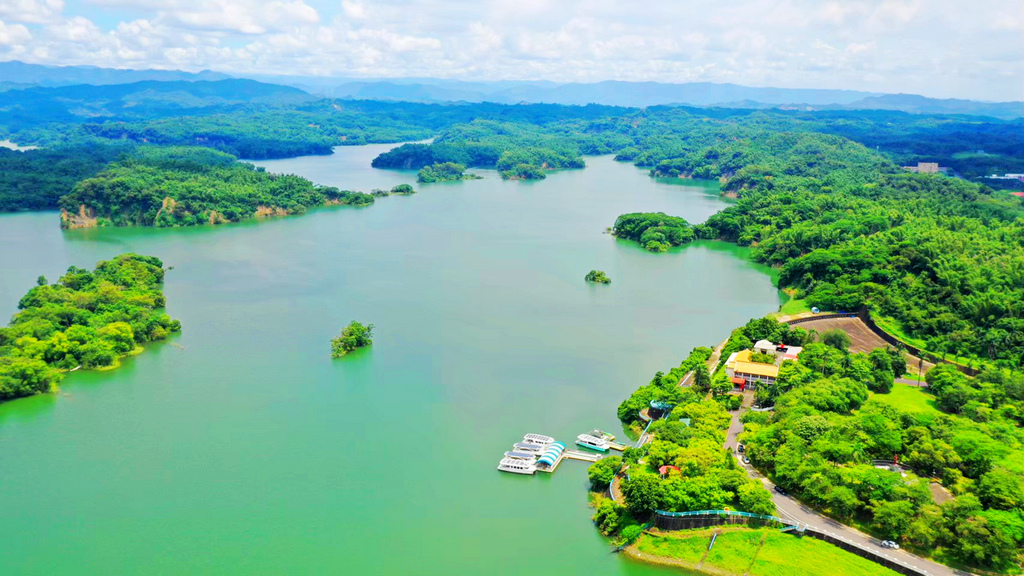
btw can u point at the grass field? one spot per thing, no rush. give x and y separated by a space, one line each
688 549
908 398
794 306
787 555
733 551
739 551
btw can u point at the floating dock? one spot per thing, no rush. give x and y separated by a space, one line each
570 455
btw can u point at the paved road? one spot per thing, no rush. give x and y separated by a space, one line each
790 508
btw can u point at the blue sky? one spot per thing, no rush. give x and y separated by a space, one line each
939 48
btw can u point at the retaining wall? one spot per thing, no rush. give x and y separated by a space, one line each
865 317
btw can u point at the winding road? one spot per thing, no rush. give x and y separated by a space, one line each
790 508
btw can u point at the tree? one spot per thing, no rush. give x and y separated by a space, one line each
41 281
631 533
754 498
999 488
644 494
597 276
355 335
602 472
843 502
836 338
891 519
20 376
701 378
608 515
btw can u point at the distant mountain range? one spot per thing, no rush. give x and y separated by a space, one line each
147 99
39 75
16 75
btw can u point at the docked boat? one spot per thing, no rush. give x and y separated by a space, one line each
592 442
521 455
517 466
602 434
538 439
528 447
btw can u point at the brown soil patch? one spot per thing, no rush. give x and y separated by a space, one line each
85 218
267 211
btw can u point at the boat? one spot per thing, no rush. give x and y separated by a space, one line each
592 442
602 435
517 466
521 455
538 439
527 447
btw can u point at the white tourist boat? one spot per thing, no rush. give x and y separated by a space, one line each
530 456
517 466
527 447
538 439
592 442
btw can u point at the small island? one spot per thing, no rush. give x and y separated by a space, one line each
87 319
401 189
597 276
656 232
355 335
444 172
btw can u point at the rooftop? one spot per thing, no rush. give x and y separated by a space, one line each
757 369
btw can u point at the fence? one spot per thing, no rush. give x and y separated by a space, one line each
705 518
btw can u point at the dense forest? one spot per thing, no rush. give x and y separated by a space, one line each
834 414
36 179
939 259
183 186
87 319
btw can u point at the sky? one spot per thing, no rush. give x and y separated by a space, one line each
940 48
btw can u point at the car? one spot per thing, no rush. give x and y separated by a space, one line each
746 460
780 490
741 448
890 545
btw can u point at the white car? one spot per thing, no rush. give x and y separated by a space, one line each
890 545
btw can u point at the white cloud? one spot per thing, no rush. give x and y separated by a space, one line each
936 48
30 11
14 35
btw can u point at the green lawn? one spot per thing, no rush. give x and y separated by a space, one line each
795 306
781 555
689 548
908 398
733 551
787 555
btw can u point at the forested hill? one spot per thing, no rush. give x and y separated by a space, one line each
187 186
938 259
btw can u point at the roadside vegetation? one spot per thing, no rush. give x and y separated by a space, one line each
831 442
87 318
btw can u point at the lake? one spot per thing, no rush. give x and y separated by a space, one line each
241 447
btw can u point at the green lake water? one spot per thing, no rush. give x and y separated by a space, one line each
240 447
